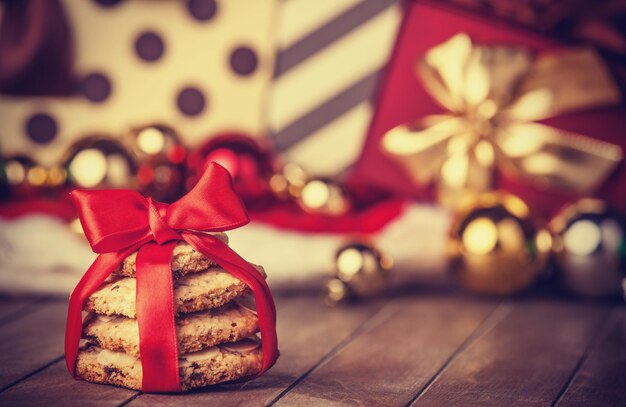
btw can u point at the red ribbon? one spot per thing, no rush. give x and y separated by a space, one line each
119 222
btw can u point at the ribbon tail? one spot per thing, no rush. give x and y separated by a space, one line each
241 269
554 158
158 346
101 268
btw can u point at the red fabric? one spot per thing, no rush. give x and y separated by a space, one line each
367 219
60 207
403 99
118 222
250 164
364 221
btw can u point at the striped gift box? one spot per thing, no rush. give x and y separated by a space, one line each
330 56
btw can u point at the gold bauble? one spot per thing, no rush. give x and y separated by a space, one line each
337 292
494 247
590 248
100 162
361 271
324 196
22 172
160 154
154 140
289 181
18 171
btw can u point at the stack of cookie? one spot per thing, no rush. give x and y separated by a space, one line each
215 325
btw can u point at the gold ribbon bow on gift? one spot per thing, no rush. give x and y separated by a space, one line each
493 95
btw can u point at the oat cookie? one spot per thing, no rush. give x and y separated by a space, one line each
185 259
194 292
214 365
194 332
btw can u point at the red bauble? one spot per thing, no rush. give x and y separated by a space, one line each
248 161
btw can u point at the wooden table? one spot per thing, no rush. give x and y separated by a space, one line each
421 346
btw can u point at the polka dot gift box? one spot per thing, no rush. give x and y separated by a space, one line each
106 67
292 71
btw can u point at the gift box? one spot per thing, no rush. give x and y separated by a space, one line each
118 223
404 99
69 70
324 85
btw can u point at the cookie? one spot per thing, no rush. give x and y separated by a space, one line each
218 364
194 292
185 259
194 332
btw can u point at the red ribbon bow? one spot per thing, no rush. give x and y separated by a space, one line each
119 222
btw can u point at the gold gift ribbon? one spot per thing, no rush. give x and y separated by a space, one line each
493 95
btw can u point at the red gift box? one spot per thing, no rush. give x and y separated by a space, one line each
403 99
119 222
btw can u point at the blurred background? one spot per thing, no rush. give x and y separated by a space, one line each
374 142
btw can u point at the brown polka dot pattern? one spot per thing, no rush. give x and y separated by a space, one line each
243 61
202 10
96 87
149 46
191 101
41 128
108 3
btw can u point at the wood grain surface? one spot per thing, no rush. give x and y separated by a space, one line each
415 348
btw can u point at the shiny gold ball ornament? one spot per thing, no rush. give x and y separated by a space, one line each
337 292
324 196
361 271
100 162
156 141
494 247
160 155
16 170
590 248
289 181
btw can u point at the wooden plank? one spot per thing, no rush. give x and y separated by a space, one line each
393 359
526 359
601 380
11 308
29 343
54 386
307 331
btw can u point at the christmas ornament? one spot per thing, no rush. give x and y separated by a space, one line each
590 248
494 96
289 181
249 163
324 196
161 155
100 162
361 271
19 172
155 141
494 247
